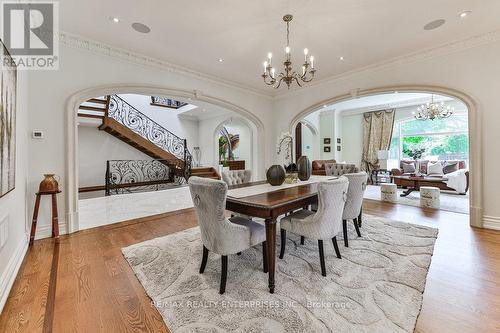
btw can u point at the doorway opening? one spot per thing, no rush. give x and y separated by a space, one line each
437 150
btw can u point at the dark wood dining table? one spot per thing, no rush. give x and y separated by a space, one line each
270 206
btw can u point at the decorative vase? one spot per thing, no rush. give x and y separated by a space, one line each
49 184
275 175
305 168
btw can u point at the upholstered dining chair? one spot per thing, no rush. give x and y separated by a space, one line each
326 223
236 177
354 203
339 169
218 234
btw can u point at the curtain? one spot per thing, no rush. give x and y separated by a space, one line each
377 134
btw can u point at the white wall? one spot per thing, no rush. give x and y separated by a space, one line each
244 150
13 205
309 144
95 147
468 67
352 140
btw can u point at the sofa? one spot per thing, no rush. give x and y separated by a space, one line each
340 169
318 167
421 167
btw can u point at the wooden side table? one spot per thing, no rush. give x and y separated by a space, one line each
55 218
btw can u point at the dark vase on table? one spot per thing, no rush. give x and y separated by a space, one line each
305 168
275 175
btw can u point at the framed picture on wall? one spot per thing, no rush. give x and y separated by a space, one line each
327 141
339 141
338 148
8 84
327 149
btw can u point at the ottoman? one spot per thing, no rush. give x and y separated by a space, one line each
388 192
429 197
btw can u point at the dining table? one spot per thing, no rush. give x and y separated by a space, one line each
261 200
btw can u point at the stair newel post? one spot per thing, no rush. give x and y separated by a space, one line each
106 111
107 190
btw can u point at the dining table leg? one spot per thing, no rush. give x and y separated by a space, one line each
271 250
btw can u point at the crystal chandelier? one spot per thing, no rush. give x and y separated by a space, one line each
433 110
289 75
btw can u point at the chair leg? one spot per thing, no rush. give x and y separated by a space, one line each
204 260
283 242
360 216
344 227
336 246
264 256
322 257
223 275
357 227
302 240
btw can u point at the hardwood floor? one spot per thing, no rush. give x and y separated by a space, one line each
83 284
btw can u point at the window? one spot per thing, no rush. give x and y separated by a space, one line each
440 139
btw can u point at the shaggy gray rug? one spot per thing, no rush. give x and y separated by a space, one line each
377 286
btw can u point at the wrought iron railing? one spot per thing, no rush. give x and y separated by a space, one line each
138 122
128 176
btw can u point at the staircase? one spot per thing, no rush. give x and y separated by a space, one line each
131 126
205 172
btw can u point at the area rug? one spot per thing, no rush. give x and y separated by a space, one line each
449 201
377 286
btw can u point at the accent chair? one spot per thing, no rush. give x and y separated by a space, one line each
218 234
354 203
236 177
320 225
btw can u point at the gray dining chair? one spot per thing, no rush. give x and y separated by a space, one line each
339 169
354 203
326 223
218 234
236 177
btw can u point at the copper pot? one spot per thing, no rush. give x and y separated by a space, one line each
49 183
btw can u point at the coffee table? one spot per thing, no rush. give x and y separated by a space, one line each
414 182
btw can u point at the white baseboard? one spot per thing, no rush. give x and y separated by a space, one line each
45 231
10 273
491 222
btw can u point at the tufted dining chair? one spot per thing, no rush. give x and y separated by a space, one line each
236 177
354 203
339 169
326 223
218 234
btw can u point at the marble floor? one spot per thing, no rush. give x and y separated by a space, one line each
101 211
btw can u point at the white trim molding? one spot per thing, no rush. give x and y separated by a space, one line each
491 222
9 276
79 42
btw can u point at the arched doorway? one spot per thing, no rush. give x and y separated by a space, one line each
74 102
474 130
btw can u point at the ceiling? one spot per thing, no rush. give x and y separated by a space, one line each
196 33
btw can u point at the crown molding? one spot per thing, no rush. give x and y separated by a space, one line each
426 54
82 43
78 42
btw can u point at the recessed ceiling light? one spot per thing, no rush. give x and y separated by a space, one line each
221 60
341 58
396 92
140 27
115 19
434 24
464 14
325 106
